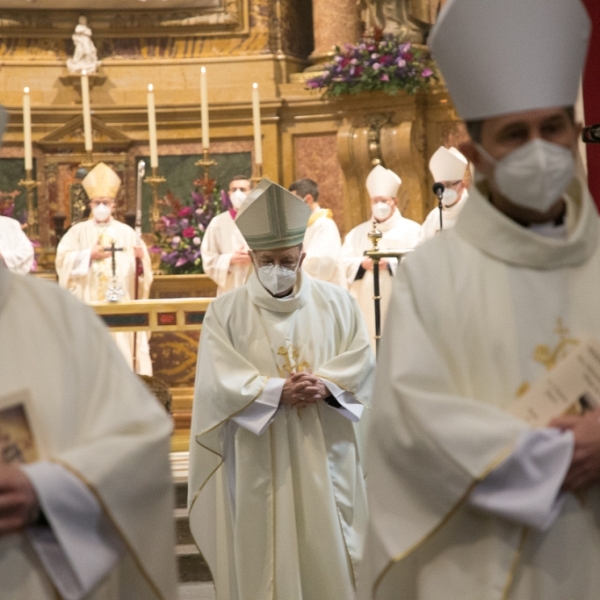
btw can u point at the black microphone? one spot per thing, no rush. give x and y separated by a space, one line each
438 190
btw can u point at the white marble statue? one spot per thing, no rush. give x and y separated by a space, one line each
85 57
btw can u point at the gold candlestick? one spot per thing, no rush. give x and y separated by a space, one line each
206 162
257 173
88 162
32 222
155 180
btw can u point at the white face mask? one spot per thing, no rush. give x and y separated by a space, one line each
277 279
535 175
101 212
449 197
237 197
381 210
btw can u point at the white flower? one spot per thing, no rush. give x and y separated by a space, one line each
176 239
196 241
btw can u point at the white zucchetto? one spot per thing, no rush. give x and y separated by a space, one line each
447 164
508 56
382 182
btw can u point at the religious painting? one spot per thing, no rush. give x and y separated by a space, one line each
17 442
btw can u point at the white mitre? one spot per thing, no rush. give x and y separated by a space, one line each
383 183
447 164
508 56
271 217
101 182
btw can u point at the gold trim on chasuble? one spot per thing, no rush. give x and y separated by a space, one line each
324 212
290 365
549 357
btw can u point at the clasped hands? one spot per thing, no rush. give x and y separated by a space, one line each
367 264
303 389
99 252
18 501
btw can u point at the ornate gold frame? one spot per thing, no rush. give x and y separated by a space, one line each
230 17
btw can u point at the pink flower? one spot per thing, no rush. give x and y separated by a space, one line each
196 241
189 232
385 77
427 72
186 211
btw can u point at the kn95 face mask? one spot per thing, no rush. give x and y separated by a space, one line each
101 212
381 210
277 279
237 198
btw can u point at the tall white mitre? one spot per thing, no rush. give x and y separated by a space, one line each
101 182
512 55
447 164
383 183
272 218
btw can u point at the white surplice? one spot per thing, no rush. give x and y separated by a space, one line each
15 248
465 499
431 225
322 245
276 494
398 234
89 280
221 239
103 476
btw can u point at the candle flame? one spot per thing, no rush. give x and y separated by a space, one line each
150 87
26 90
84 72
255 86
203 69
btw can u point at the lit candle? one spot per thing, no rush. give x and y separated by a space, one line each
87 114
258 157
204 108
27 129
152 128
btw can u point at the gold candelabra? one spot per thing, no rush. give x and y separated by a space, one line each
88 162
155 180
206 162
32 221
257 173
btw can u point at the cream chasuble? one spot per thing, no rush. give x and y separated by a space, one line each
92 416
281 515
89 281
477 315
431 225
398 234
221 239
323 246
15 248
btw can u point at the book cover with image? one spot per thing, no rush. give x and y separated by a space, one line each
17 442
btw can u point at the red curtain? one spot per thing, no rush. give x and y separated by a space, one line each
591 97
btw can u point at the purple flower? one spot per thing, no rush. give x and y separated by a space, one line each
401 62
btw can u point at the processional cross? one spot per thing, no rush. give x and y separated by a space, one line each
114 292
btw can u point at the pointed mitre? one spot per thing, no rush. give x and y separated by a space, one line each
507 56
447 164
101 182
272 218
383 183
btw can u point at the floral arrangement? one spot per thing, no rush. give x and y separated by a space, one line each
374 64
7 206
182 227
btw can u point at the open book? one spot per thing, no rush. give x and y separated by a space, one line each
572 387
17 442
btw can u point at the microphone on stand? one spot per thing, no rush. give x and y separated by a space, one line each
438 190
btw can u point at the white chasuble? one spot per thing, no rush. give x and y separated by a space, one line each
281 515
322 245
221 239
398 234
89 280
92 419
16 250
431 225
477 315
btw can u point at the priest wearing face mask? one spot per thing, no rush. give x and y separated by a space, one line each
468 501
447 166
84 264
225 257
276 492
322 242
398 234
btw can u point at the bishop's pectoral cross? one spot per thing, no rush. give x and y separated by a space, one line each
114 292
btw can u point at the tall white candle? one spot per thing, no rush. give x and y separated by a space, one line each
27 129
152 128
258 157
204 108
87 113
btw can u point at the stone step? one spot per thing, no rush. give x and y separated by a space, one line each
183 535
191 564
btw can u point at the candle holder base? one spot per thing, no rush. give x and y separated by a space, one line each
206 162
155 180
257 174
88 162
30 185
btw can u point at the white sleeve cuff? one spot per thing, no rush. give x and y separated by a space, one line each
260 414
81 546
351 408
81 263
526 487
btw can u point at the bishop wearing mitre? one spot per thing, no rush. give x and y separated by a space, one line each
447 166
469 499
398 232
84 259
276 492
